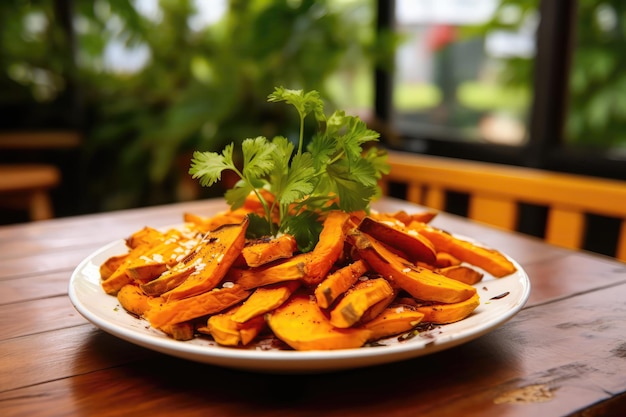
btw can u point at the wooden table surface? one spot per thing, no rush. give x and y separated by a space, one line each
563 354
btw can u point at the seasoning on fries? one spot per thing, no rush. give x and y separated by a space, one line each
355 287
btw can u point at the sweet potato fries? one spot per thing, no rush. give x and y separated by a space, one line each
370 276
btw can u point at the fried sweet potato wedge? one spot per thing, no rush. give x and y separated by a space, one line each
209 263
359 299
392 321
170 278
462 273
328 249
406 218
228 332
423 216
440 313
208 224
118 278
302 325
416 247
139 243
339 282
400 215
179 331
265 299
421 283
108 267
444 259
373 312
311 268
290 269
147 235
263 251
162 313
133 300
174 247
490 260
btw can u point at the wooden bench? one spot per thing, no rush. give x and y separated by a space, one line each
495 193
26 186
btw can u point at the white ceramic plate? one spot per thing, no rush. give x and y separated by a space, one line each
501 299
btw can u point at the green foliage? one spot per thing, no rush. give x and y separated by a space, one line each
331 174
201 88
596 102
597 112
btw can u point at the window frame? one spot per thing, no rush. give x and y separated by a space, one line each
555 43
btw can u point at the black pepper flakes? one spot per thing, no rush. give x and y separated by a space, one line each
497 297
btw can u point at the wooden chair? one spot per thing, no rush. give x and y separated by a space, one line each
26 186
495 193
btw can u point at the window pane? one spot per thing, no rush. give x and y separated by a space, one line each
597 101
464 70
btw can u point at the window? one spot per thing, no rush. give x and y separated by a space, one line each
452 79
596 114
530 83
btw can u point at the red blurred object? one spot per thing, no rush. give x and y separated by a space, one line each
440 36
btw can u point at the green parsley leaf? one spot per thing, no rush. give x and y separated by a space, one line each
304 103
378 159
236 196
208 166
353 194
299 182
258 227
278 176
322 148
335 173
257 157
305 228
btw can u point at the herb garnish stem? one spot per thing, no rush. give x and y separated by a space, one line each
301 141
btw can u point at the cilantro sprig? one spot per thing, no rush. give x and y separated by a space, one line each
334 172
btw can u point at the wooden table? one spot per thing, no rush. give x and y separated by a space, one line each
563 354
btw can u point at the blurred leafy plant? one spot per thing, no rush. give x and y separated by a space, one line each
36 67
597 113
201 88
596 104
